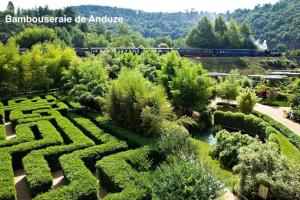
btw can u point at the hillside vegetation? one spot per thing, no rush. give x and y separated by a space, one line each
278 23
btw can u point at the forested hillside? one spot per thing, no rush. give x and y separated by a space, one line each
155 24
278 23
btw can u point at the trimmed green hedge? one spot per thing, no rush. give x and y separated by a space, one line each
2 132
50 136
81 184
108 125
7 186
39 174
23 133
118 175
250 124
292 137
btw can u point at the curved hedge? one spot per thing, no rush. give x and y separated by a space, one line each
116 172
292 137
250 124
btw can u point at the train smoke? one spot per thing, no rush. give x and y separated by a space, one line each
261 46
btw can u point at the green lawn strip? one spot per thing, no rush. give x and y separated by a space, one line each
288 149
275 103
7 186
224 175
292 137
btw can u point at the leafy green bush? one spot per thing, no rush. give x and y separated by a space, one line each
228 145
175 141
228 89
87 82
32 36
185 179
138 104
191 88
295 101
246 101
261 164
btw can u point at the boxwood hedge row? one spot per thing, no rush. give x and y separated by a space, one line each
7 187
39 173
81 184
292 137
133 139
121 178
50 136
250 124
23 133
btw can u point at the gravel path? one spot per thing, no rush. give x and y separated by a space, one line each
21 185
277 113
9 131
58 179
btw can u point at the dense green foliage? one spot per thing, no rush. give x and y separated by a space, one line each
87 81
229 88
295 101
261 164
191 88
32 36
228 145
220 35
278 23
137 103
185 179
246 101
38 69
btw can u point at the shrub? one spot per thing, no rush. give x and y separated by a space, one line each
261 164
175 141
31 36
191 88
185 179
228 145
246 101
138 104
229 88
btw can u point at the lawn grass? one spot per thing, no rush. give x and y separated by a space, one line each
275 103
288 149
224 175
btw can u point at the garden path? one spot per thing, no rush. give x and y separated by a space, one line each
277 113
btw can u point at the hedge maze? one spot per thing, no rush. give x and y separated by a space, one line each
91 151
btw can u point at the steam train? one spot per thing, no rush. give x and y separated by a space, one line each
185 52
189 52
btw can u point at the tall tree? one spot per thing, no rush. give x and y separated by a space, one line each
203 36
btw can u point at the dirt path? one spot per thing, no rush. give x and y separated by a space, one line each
21 185
277 113
228 195
9 131
58 179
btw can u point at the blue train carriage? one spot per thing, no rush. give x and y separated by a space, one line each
196 52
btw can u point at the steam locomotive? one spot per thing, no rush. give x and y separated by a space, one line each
189 52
